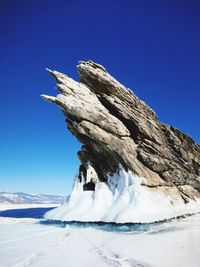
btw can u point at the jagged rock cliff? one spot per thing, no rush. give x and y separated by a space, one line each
119 131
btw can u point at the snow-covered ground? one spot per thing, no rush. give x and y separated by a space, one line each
26 242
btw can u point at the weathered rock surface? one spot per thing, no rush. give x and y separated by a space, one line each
117 129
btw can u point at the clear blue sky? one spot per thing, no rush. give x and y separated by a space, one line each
153 47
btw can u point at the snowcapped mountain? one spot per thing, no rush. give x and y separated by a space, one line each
23 198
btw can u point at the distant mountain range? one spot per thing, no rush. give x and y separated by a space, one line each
23 198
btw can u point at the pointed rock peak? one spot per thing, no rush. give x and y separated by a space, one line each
57 75
50 71
49 98
91 64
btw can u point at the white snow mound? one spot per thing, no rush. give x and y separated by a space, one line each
123 199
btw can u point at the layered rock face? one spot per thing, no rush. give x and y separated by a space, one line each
120 131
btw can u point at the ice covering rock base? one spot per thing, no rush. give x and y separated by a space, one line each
122 199
133 167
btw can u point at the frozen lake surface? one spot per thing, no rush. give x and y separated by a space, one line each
36 213
25 240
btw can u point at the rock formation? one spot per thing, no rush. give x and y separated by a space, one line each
120 131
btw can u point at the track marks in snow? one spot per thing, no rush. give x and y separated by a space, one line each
118 261
110 258
36 258
33 258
